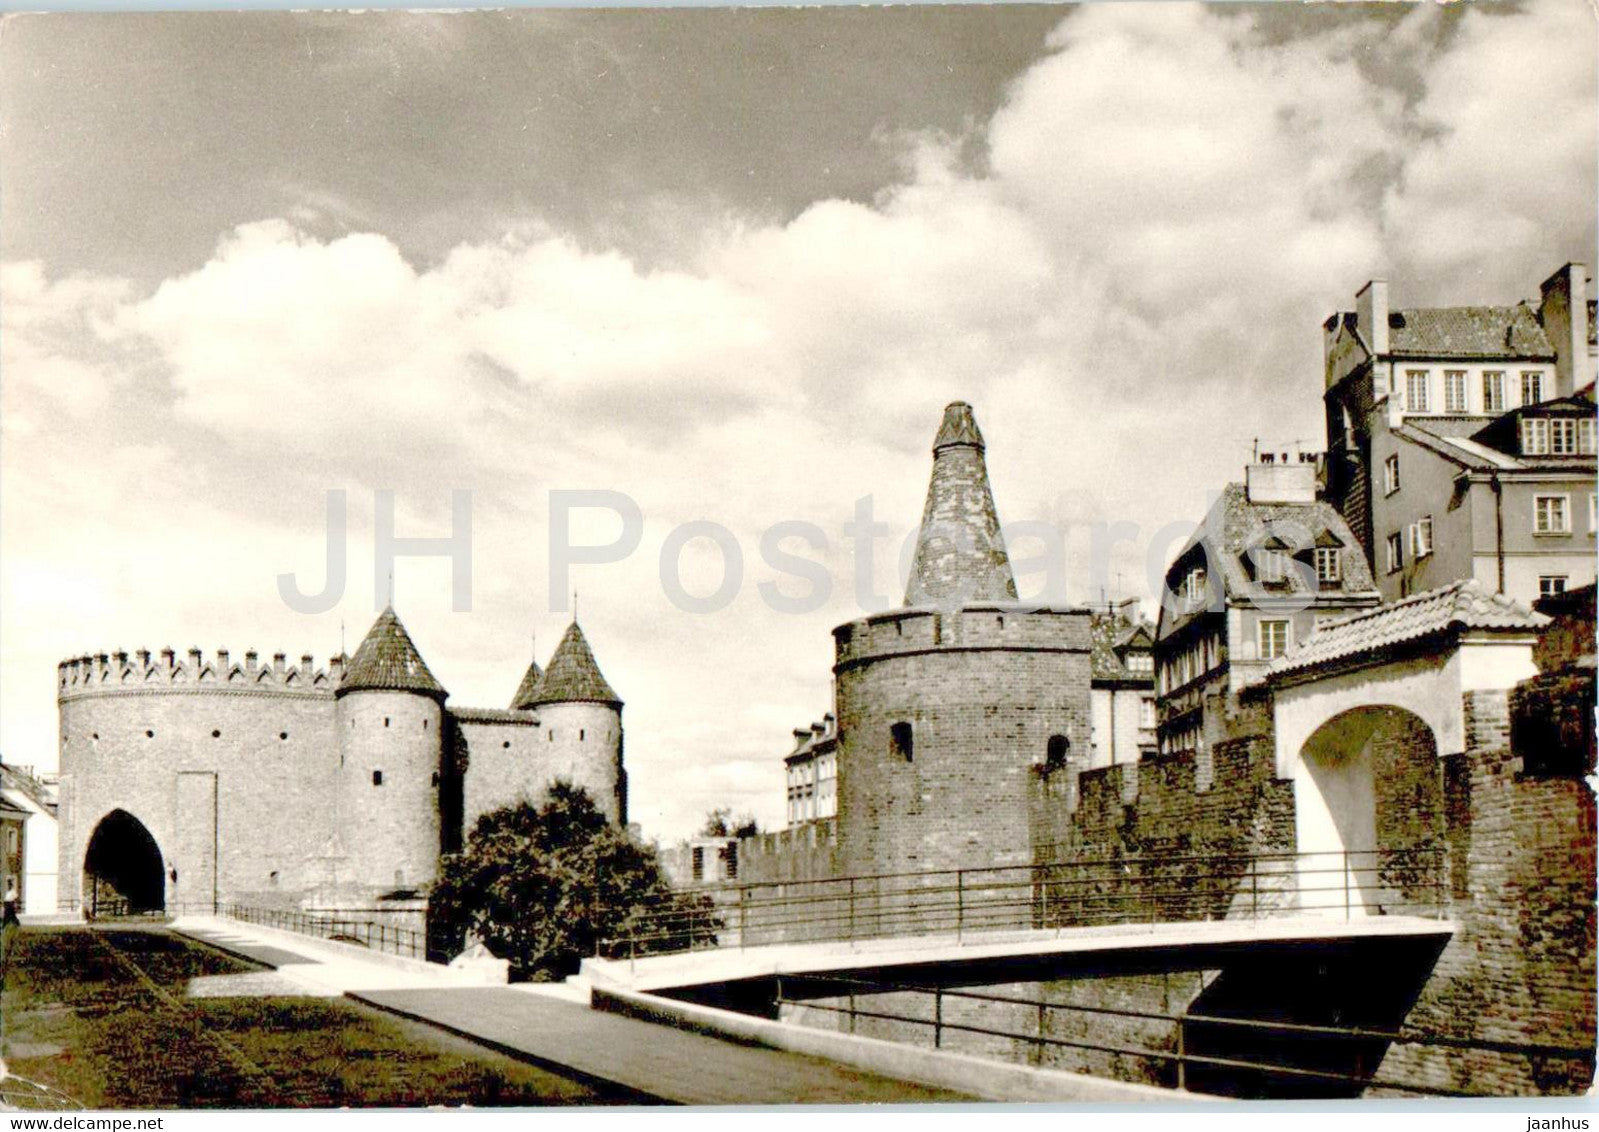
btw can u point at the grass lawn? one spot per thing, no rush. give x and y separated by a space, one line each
104 1016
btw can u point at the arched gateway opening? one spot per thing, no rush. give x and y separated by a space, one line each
1368 803
122 869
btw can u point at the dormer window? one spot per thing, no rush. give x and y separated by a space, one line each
1194 588
1273 566
1535 436
1329 565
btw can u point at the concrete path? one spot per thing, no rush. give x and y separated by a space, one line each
657 1063
552 1026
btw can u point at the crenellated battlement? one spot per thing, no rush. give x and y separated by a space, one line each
166 670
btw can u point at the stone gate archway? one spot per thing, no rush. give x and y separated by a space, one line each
123 870
1368 813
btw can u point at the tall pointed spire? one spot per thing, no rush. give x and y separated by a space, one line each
960 553
528 688
387 660
573 676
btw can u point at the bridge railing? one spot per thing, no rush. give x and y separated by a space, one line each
346 928
1208 1053
983 900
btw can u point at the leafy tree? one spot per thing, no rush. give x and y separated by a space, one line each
720 822
543 886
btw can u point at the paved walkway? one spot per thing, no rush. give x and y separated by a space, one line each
546 1027
659 1063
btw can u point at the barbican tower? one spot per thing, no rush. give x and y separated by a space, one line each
389 717
957 709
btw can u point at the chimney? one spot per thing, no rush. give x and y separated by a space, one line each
1563 312
1371 311
1280 483
960 554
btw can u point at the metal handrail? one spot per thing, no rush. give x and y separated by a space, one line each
389 938
1181 1057
1049 895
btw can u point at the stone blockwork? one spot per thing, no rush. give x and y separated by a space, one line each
284 785
943 720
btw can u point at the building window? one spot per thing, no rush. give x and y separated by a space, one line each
1421 538
1396 553
1563 436
1390 474
1140 662
698 867
11 839
1273 636
1273 566
1551 584
377 778
1194 586
1550 515
1493 392
1416 390
901 741
1531 387
1585 445
1146 713
1329 565
1535 436
1056 752
1455 391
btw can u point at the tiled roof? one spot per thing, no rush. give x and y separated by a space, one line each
1107 634
1236 525
1460 605
573 676
1442 332
526 690
960 552
387 660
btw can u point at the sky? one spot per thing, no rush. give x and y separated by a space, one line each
728 263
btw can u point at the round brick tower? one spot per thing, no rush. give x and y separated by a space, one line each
389 719
580 725
955 710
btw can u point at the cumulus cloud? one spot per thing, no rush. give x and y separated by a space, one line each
1125 269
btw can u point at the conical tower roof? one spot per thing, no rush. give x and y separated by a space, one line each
960 553
573 676
528 688
388 661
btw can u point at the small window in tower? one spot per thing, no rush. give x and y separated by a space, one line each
216 734
149 734
552 735
385 721
901 741
283 734
581 734
95 736
377 778
272 878
435 778
424 725
1001 620
1057 752
506 744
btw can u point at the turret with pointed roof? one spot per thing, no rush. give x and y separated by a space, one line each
573 676
528 688
960 553
388 661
